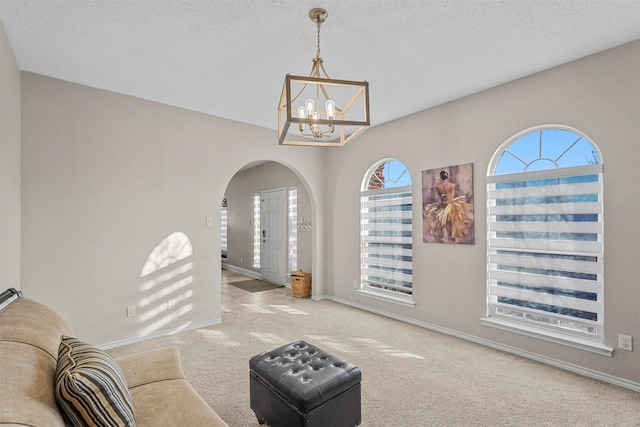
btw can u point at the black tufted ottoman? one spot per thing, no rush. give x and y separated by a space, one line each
299 384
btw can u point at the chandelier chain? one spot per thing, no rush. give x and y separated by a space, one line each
318 51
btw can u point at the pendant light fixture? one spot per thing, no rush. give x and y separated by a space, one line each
318 110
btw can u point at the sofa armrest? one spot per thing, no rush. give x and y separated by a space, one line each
151 366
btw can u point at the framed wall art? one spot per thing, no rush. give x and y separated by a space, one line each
447 205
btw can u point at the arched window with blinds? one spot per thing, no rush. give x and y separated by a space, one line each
386 232
545 237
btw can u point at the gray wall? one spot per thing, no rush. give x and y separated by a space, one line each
9 167
239 195
598 95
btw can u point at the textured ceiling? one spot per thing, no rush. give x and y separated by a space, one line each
229 57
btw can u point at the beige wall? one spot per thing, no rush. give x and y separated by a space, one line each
106 178
239 193
598 95
9 166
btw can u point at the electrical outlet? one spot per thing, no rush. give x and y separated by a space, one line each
355 284
131 311
625 342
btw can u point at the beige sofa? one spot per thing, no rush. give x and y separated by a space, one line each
30 334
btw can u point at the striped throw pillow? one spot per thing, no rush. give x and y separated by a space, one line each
90 388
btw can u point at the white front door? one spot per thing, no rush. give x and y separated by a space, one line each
273 217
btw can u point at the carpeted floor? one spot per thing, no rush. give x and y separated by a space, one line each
412 377
231 277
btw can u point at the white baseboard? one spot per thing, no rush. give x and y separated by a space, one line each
159 334
621 382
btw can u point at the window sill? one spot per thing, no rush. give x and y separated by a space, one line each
550 336
384 296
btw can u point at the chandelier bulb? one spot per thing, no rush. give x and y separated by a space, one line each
310 105
330 108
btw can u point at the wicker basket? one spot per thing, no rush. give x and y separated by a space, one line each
300 284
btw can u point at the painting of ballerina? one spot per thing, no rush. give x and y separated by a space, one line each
447 205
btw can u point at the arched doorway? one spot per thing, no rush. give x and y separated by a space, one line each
266 223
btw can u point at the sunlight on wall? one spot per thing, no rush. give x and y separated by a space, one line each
173 248
166 319
166 278
164 306
166 293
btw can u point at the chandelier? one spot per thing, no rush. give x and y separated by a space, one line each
318 110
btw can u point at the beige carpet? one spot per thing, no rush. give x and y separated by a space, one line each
411 376
231 276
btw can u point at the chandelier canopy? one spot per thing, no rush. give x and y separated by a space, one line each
318 110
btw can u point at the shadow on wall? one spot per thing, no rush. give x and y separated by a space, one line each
166 292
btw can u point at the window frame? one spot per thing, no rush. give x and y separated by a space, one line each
517 318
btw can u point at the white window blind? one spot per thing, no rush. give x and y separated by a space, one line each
387 239
293 229
223 230
256 231
545 250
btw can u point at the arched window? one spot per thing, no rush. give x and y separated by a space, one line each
545 237
386 231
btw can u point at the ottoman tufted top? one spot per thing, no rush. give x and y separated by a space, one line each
303 374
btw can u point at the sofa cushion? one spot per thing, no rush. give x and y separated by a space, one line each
90 387
150 366
161 393
178 403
